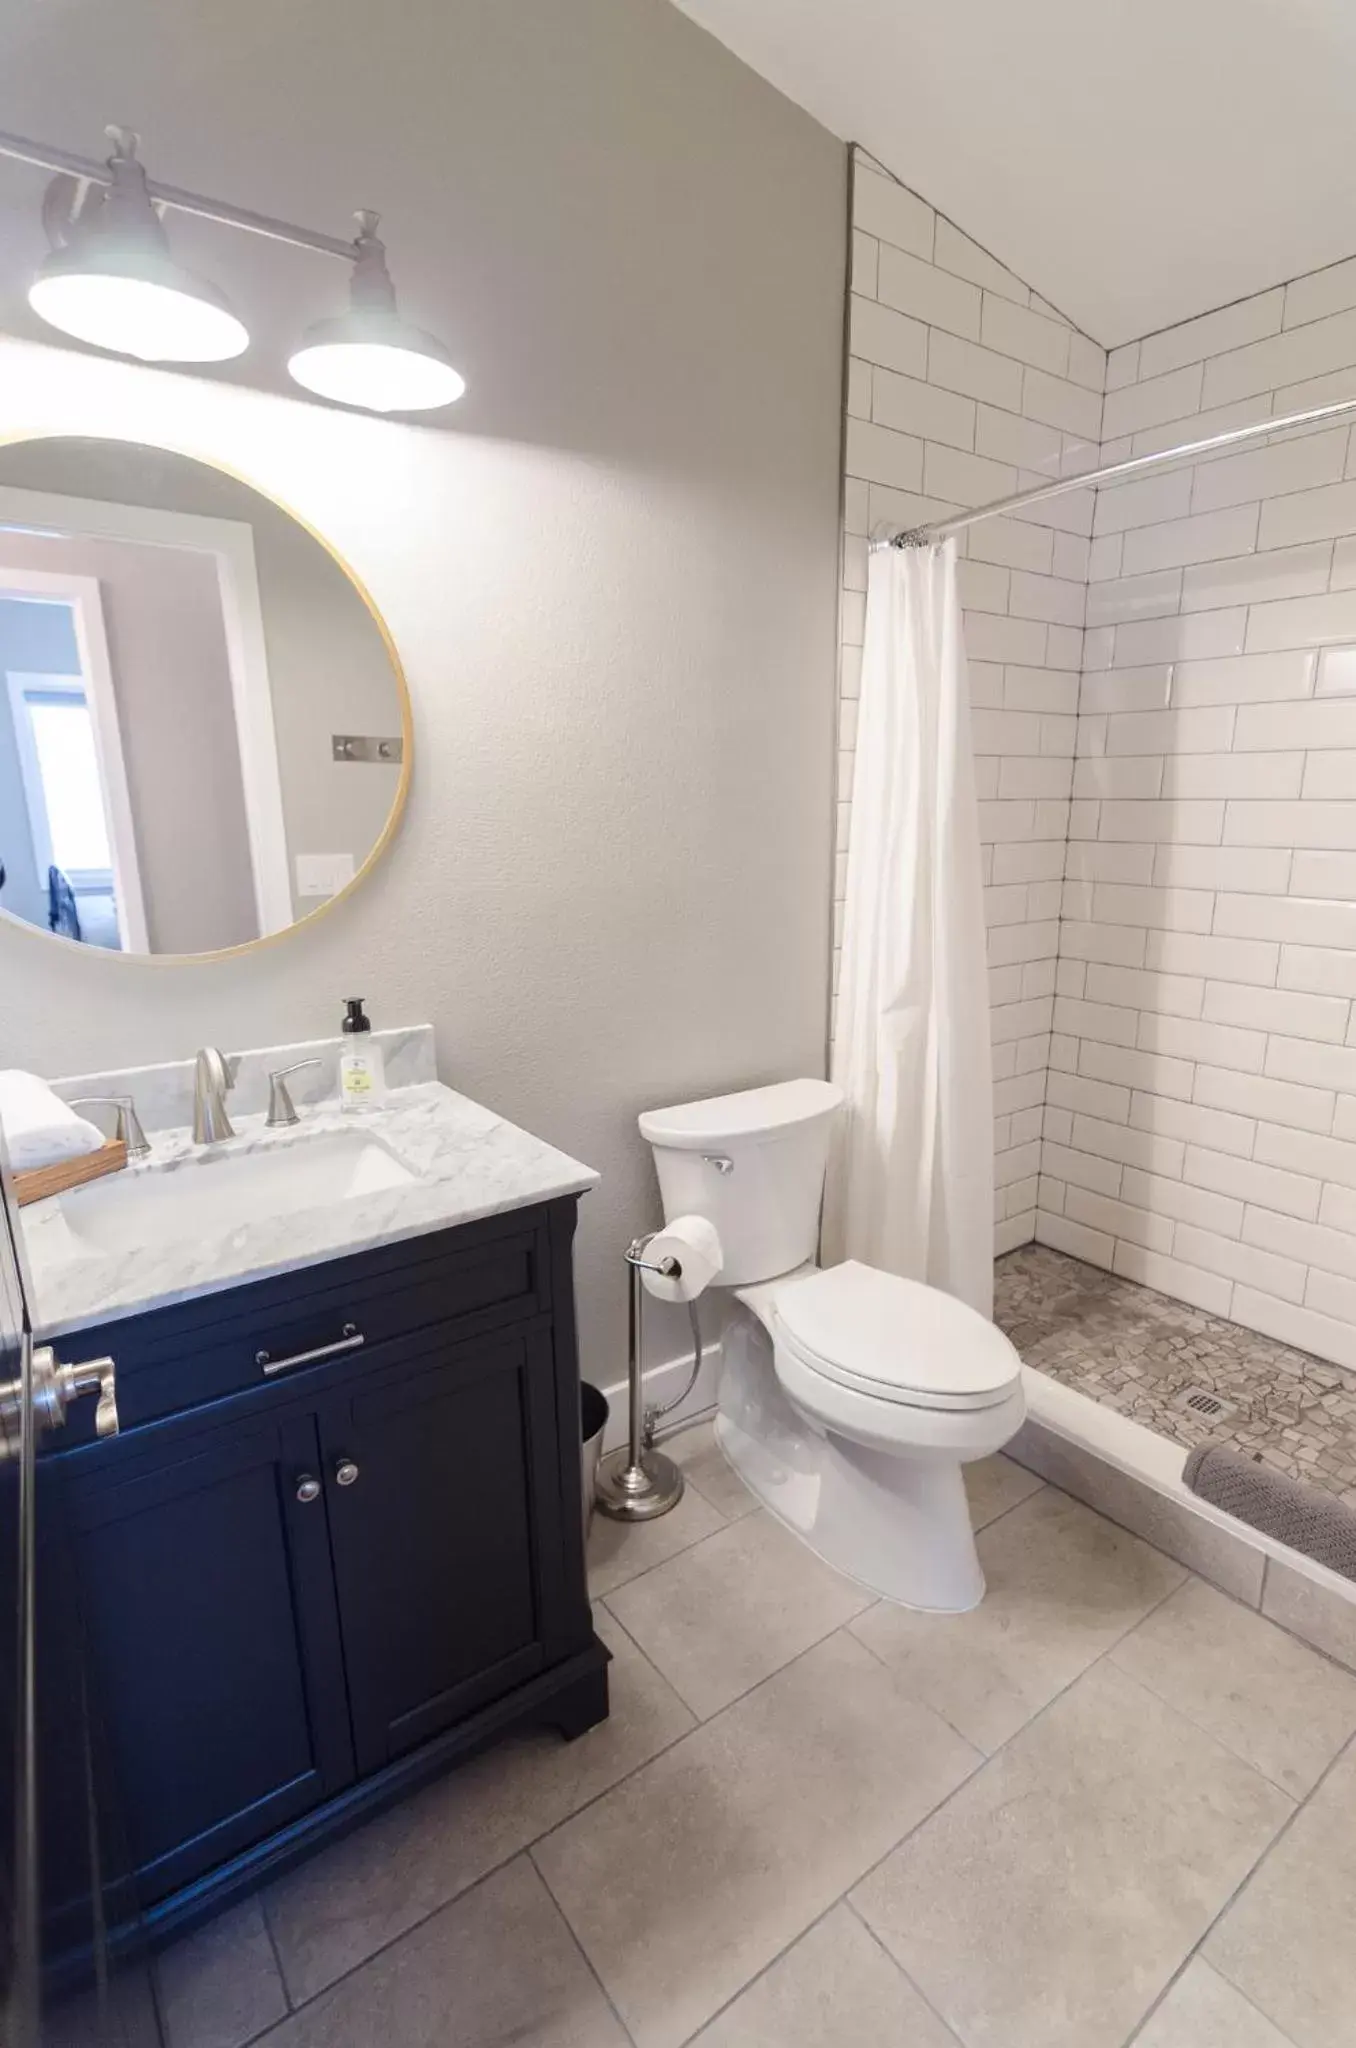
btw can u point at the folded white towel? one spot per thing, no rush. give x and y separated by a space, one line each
39 1128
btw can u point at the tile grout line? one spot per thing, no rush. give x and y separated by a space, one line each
843 1628
988 1757
464 1891
726 1522
705 1720
759 1974
584 1956
1300 1799
273 1945
663 1678
939 2016
1232 1900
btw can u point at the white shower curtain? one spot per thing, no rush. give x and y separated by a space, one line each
911 1188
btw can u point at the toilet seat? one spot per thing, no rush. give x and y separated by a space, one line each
895 1340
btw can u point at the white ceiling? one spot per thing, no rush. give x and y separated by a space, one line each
1135 161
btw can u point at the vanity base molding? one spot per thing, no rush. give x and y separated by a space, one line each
567 1701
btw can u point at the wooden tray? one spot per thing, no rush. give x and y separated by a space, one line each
41 1181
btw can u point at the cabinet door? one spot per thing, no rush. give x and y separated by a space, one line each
444 1504
208 1606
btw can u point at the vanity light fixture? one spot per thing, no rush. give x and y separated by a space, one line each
369 356
114 283
111 281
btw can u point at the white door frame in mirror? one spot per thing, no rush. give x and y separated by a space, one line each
231 543
85 600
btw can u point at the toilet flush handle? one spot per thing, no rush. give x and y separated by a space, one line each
719 1160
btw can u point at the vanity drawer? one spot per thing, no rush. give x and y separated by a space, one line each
477 1278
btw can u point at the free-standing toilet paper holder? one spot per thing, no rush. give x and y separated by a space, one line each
639 1482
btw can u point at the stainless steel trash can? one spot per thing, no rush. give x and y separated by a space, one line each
593 1421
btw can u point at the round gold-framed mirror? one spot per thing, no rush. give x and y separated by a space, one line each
205 729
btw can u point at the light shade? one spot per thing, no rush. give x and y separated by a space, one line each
369 356
116 285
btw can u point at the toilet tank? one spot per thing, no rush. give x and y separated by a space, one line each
753 1164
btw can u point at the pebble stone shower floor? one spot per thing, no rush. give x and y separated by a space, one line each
1144 1354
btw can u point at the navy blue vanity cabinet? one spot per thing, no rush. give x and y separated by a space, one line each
447 1559
207 1604
349 1565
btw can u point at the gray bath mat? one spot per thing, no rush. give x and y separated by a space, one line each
1307 1518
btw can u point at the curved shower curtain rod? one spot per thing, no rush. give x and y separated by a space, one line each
941 529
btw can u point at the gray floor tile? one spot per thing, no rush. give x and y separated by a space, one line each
1063 1586
1052 1899
688 1879
1203 1546
710 1471
1325 1618
1280 1706
497 1966
350 1900
619 1551
1287 1942
732 1610
836 1984
220 1986
1203 2010
993 1485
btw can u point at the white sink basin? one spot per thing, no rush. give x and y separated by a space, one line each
220 1193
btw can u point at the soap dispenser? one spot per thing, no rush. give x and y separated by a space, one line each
362 1069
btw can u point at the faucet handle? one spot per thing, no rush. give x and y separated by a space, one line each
128 1124
281 1108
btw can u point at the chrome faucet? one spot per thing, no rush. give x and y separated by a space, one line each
211 1085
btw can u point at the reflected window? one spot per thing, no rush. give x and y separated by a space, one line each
68 772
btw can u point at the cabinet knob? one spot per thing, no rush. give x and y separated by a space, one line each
345 1472
308 1487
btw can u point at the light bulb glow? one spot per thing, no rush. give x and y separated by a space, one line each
380 376
138 316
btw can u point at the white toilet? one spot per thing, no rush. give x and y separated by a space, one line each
849 1398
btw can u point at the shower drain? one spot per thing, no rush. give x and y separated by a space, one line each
1202 1402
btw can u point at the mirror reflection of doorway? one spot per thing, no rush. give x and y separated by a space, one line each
66 837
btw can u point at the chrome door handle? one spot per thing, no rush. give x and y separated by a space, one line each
97 1376
54 1387
308 1487
350 1341
345 1472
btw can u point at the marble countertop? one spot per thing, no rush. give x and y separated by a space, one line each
467 1163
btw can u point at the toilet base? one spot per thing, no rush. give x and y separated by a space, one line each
898 1526
891 1515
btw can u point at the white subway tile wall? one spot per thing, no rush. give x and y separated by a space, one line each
962 389
1169 835
1207 965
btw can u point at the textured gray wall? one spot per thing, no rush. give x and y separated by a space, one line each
612 579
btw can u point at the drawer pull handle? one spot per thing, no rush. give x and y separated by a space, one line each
350 1341
345 1472
308 1488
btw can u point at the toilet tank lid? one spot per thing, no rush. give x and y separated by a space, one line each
751 1113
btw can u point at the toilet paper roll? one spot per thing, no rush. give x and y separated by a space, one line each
693 1242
